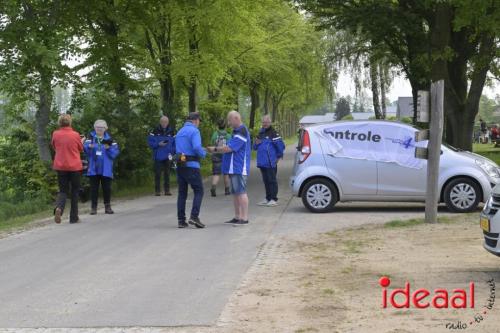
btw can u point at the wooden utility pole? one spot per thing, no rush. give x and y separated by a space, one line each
434 150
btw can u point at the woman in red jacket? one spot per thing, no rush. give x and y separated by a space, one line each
68 145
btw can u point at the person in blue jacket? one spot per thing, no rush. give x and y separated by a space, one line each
270 148
161 140
189 151
101 150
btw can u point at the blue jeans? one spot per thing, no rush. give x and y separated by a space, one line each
270 182
238 184
189 176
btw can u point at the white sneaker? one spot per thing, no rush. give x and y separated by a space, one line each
263 203
272 203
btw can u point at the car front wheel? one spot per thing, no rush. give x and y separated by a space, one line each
319 195
462 195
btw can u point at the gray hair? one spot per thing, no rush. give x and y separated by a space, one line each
163 117
101 123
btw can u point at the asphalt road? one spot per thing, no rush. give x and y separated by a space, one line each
135 268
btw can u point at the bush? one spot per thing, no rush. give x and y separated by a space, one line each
407 120
348 117
28 185
24 176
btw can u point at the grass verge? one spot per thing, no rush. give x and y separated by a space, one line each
442 219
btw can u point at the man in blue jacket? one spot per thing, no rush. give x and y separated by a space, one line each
189 151
270 148
236 164
161 141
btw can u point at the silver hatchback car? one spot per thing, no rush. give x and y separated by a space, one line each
374 161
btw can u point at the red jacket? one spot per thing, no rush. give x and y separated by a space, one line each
68 146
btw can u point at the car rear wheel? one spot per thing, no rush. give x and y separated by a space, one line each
462 195
319 195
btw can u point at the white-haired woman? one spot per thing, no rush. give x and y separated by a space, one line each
101 151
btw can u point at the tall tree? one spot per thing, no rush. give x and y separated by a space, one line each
452 40
35 41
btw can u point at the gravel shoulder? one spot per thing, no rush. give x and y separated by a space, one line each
329 282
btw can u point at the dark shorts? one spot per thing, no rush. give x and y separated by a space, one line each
238 184
216 164
216 168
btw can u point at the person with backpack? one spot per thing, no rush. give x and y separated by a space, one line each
161 141
220 138
270 148
101 151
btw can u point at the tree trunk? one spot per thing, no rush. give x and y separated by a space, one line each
383 82
42 116
167 99
461 106
276 100
266 101
254 98
374 83
274 110
118 77
192 93
193 79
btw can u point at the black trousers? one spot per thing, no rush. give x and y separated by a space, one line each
67 179
269 177
162 167
105 182
185 177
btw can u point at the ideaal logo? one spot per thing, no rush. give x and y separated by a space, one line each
422 298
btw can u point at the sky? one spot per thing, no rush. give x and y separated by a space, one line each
399 88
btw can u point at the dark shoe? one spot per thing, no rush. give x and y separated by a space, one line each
213 192
196 222
228 192
93 211
168 193
241 222
158 194
108 210
233 220
57 215
76 221
182 224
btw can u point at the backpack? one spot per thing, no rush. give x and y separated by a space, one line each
221 139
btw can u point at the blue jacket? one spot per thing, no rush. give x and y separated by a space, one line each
188 142
271 148
158 135
100 159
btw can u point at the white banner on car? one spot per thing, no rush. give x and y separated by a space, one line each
381 142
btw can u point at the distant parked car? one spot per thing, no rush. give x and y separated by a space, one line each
374 161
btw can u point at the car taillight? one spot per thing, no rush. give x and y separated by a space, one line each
306 147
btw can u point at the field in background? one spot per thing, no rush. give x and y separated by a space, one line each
488 150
